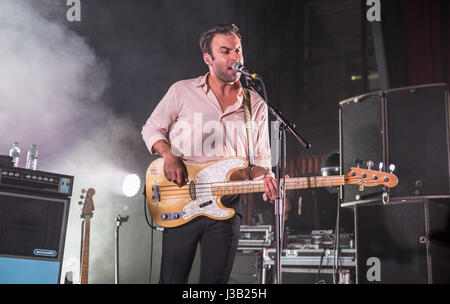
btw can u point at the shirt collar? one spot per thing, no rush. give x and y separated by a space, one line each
203 83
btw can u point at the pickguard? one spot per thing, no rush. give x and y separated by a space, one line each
206 202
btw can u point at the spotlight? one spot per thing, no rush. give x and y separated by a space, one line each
131 185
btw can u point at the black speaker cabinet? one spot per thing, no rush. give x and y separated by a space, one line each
32 233
245 268
403 242
407 127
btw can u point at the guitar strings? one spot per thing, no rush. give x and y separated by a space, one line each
257 184
292 180
237 184
205 189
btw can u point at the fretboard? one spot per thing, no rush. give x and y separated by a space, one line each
230 188
85 251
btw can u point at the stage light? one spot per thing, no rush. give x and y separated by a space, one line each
329 167
131 185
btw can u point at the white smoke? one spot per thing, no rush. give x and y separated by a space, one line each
52 86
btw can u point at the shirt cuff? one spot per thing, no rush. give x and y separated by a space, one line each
150 142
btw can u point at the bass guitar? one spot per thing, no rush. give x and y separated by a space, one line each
172 206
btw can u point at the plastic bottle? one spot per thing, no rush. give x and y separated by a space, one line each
15 154
32 158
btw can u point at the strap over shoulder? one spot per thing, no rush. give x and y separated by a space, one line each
248 127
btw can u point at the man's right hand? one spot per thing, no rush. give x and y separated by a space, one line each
174 168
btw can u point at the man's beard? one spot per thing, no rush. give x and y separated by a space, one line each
225 76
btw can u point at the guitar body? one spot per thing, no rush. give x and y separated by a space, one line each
172 206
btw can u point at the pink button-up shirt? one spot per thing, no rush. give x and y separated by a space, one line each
199 129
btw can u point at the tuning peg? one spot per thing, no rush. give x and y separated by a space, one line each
358 162
80 203
82 197
380 166
369 164
83 191
391 168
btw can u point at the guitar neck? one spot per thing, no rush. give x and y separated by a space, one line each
230 188
85 251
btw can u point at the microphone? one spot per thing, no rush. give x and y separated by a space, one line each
239 68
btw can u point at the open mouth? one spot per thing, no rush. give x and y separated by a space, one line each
231 70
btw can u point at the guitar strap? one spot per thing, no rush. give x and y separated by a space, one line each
248 127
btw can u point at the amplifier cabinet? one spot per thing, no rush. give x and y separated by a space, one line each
403 242
246 267
407 127
34 181
32 234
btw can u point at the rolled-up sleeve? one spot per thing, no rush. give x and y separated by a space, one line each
161 119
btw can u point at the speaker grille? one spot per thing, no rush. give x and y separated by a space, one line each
417 140
28 223
361 138
407 127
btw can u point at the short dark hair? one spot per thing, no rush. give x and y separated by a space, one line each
207 37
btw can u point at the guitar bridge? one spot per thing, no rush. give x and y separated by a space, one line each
192 190
156 193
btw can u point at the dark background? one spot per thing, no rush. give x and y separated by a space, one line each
151 44
311 54
306 51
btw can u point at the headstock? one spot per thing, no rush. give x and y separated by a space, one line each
370 178
88 206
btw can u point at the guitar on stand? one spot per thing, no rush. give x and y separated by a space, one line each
86 214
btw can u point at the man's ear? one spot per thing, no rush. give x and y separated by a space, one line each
207 58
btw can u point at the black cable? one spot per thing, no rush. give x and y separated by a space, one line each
336 247
145 212
151 257
320 264
151 235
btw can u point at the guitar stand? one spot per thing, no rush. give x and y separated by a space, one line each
119 221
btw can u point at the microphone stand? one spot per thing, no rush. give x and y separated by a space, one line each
119 221
283 126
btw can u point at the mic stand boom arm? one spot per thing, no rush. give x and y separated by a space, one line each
283 125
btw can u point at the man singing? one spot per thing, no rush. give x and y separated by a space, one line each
201 116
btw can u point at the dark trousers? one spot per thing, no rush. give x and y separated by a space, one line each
218 241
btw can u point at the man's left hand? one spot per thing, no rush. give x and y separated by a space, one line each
270 188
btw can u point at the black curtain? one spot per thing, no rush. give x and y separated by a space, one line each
151 44
417 41
394 38
426 34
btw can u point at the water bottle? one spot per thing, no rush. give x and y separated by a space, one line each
32 158
15 153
